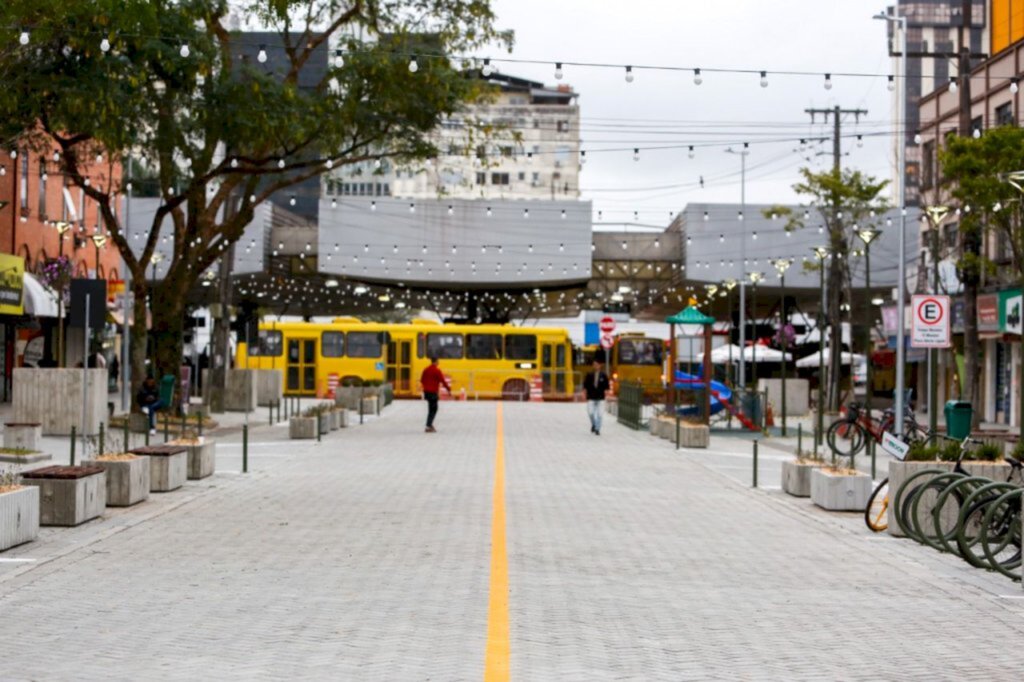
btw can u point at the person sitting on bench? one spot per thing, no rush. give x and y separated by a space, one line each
148 398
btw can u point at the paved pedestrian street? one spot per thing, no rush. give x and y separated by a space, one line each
382 553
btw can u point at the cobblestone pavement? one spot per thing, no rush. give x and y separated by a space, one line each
367 556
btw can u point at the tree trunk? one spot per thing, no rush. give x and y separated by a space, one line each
139 336
220 351
168 326
969 387
835 341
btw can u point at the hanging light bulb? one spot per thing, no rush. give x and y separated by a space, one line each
754 235
583 156
339 59
450 209
558 70
917 138
828 81
764 79
740 216
697 78
526 213
489 212
689 151
413 65
373 205
366 248
184 51
261 56
860 140
412 208
105 45
636 153
280 163
976 133
334 203
291 200
629 74
23 38
1014 87
891 85
706 216
487 69
529 248
563 214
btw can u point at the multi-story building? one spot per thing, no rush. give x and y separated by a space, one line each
532 153
932 28
43 217
994 102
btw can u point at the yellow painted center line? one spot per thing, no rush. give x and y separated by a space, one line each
496 661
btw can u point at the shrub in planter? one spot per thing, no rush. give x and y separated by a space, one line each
840 489
128 477
796 475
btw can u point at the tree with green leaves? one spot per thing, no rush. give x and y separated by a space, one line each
844 201
221 124
980 175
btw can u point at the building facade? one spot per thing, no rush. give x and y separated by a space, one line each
531 151
994 102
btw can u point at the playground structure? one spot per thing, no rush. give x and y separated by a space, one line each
721 399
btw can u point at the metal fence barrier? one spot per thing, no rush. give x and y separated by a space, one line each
631 405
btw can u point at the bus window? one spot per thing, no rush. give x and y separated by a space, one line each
444 346
332 344
421 345
268 344
521 347
483 346
640 352
365 344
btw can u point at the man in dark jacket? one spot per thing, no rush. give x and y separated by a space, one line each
148 398
595 384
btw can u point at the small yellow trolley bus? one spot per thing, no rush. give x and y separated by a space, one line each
480 361
635 357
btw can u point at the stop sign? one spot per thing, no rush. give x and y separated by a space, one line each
606 325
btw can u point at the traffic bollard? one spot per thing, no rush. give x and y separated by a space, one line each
677 429
100 450
125 443
73 439
317 417
199 424
167 427
755 462
245 448
361 392
270 414
146 431
871 446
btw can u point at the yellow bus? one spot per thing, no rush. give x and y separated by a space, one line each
480 361
634 357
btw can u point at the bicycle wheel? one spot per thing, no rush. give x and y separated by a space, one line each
972 531
925 505
946 512
845 438
875 514
1004 553
904 495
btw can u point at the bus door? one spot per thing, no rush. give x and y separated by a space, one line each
562 368
301 375
399 365
548 369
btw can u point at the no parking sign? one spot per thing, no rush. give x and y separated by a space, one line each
929 327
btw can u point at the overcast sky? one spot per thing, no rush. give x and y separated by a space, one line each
664 108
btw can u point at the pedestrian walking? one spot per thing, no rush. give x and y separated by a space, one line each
595 384
432 380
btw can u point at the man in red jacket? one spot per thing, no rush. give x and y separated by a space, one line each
432 380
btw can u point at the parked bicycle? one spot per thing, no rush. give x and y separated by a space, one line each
846 437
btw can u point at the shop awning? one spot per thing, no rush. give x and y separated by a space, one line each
39 300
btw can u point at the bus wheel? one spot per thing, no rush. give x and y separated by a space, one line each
515 389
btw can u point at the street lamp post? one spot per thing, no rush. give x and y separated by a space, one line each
1016 179
781 265
935 215
99 241
755 277
729 284
868 235
821 252
901 176
743 256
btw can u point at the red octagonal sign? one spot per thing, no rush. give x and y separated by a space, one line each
606 325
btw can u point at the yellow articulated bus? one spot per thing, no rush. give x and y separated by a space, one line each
635 357
480 361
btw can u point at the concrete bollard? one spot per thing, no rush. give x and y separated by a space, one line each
245 448
755 462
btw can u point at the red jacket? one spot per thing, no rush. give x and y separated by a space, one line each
432 380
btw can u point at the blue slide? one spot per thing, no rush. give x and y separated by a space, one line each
719 392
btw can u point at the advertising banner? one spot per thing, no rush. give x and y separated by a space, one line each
12 282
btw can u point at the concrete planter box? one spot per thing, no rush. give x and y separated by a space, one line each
797 396
302 427
127 480
796 477
201 457
348 396
19 516
693 435
68 496
342 417
168 466
838 492
269 386
369 405
24 436
899 472
325 423
665 427
240 390
53 397
332 420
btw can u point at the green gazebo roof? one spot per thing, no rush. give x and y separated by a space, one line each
690 316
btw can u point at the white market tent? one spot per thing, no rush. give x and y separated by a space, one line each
846 358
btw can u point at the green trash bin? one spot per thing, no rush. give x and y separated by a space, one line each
958 419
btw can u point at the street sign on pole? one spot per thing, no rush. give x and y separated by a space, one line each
930 321
607 341
606 325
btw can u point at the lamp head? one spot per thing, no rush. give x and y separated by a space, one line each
936 214
730 284
755 277
821 252
1016 178
782 264
868 234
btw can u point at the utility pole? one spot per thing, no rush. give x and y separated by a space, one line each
837 243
